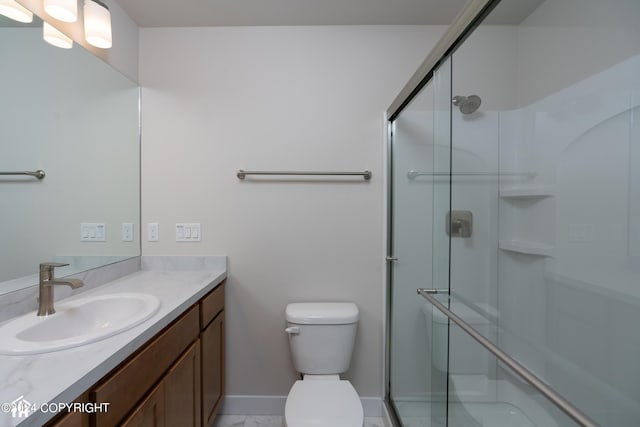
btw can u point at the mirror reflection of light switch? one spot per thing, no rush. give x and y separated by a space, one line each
93 232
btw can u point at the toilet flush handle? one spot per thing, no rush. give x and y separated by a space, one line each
293 330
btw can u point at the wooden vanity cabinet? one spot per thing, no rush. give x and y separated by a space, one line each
73 419
212 342
175 380
175 401
149 413
183 393
131 382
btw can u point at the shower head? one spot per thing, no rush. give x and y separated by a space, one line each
467 104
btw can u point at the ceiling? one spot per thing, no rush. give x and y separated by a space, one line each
201 13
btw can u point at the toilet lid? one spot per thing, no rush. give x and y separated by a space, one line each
323 404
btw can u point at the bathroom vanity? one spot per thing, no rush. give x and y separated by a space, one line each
169 370
177 378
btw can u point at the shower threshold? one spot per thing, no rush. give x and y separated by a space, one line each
498 414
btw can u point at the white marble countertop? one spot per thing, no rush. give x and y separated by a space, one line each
62 376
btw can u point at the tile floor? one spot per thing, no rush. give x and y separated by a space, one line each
272 421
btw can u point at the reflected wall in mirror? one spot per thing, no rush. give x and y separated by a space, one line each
75 117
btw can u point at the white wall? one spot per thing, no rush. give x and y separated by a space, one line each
565 41
216 100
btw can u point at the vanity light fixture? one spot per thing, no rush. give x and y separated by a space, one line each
62 10
55 37
14 10
97 24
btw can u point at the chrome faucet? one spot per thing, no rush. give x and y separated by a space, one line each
47 281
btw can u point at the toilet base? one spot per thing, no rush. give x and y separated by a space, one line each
323 401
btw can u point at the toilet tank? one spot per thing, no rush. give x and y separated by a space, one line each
322 336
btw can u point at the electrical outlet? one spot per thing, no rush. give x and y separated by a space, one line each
127 232
153 232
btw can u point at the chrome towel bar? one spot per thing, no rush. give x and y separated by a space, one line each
36 174
365 174
555 398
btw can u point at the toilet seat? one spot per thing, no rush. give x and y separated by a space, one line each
323 403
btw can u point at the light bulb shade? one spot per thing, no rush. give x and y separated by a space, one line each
14 10
53 36
97 24
62 10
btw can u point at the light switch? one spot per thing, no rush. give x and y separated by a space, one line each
100 232
188 232
93 232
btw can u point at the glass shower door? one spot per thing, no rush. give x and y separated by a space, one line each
418 347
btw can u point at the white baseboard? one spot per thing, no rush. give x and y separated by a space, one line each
373 406
274 405
252 405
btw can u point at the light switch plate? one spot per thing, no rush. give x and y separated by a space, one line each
188 232
93 232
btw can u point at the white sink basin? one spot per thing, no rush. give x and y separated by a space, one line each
77 322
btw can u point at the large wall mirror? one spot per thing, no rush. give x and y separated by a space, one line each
70 114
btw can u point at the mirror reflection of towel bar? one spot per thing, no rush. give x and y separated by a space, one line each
412 174
36 174
365 174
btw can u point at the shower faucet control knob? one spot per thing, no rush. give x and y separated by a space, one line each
459 223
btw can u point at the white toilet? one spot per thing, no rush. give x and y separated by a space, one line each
321 338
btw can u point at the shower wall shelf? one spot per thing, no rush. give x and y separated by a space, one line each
527 192
526 247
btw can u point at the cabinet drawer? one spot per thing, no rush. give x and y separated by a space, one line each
211 305
130 383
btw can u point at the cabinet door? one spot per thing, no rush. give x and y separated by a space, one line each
72 419
150 413
182 392
212 339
